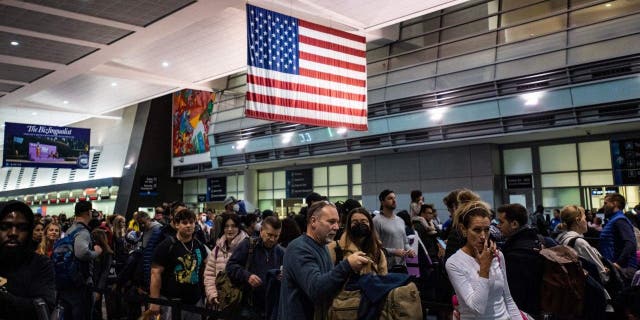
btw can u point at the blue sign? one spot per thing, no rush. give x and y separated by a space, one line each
32 145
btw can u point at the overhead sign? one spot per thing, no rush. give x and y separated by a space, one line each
216 189
625 156
149 186
299 183
519 181
32 145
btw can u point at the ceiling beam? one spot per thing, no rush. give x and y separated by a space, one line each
49 36
116 70
70 15
31 62
18 83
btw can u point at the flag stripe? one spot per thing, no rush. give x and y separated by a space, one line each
292 86
304 97
331 69
335 32
301 104
332 77
332 46
316 81
304 120
331 38
333 54
331 62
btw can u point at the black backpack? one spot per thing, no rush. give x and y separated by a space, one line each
595 299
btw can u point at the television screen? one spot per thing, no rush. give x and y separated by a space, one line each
625 158
29 145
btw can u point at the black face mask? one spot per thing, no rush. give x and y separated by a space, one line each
360 230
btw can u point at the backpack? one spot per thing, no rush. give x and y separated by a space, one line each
402 303
65 264
345 305
230 294
595 302
563 282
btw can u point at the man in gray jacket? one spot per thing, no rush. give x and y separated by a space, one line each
77 300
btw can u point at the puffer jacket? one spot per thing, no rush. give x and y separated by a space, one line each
217 261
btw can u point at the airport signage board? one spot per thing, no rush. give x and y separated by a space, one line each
216 189
519 181
299 183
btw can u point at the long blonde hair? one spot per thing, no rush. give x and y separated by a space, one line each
570 215
118 232
45 243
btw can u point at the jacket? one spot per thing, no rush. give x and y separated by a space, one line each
262 261
618 242
348 247
32 279
524 269
217 262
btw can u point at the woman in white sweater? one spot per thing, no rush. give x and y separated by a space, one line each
574 225
217 260
477 270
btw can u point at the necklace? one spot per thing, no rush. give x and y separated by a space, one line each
185 247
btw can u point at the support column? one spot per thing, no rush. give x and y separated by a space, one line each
251 188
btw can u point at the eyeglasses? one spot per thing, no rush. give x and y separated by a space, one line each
23 227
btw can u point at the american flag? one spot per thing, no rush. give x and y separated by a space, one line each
302 72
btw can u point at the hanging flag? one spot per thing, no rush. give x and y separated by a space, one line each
302 72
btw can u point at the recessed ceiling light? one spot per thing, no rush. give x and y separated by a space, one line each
608 5
34 113
114 84
165 64
15 43
65 102
341 130
2 125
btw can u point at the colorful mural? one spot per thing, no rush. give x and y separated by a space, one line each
191 112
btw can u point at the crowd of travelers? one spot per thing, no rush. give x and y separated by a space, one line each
329 261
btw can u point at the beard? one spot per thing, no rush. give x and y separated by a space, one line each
15 255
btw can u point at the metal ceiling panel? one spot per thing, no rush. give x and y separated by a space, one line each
21 73
135 12
59 26
8 87
41 49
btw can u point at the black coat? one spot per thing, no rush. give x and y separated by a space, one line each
524 269
30 280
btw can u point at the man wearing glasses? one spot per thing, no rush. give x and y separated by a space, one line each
28 276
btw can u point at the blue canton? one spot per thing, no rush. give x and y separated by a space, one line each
272 40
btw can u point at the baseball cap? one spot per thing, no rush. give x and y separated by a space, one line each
229 201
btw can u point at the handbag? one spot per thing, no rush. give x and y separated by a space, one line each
230 294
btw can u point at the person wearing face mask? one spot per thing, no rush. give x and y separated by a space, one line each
358 236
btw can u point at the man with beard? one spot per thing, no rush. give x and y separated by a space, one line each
309 279
617 240
29 275
267 255
391 230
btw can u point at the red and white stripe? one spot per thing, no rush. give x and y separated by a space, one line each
330 89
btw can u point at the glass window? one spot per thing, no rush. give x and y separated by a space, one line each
321 190
377 67
569 179
279 194
265 194
560 157
265 180
471 13
202 186
240 182
601 12
595 155
338 191
513 4
533 29
596 178
517 161
412 58
560 197
378 53
464 46
356 190
232 184
320 177
265 204
279 180
338 175
356 173
414 43
190 186
468 28
419 28
532 12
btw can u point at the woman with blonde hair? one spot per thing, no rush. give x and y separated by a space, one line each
574 225
219 256
477 270
51 235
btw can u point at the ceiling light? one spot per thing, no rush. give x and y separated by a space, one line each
2 125
15 43
286 137
114 84
532 99
437 113
608 5
341 130
34 113
65 102
165 64
241 144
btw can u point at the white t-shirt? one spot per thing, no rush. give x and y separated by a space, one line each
481 298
